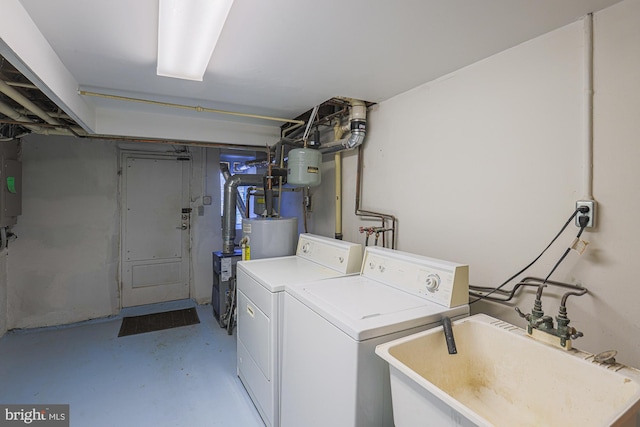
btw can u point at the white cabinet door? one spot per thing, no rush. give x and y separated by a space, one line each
155 224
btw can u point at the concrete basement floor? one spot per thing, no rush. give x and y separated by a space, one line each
184 376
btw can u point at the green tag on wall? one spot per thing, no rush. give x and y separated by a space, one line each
11 184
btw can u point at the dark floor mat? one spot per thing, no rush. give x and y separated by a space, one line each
158 321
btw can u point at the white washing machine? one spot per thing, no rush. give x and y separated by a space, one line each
330 373
260 285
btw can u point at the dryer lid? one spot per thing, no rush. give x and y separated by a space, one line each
275 273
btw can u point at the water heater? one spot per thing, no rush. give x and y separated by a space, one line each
271 237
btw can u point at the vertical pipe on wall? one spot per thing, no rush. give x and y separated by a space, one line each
239 203
371 214
229 207
338 166
280 158
588 107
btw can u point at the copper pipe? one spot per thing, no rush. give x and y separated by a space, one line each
187 107
371 214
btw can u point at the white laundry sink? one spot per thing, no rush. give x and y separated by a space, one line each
502 377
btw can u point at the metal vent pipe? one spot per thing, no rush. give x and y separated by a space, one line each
224 169
229 207
357 126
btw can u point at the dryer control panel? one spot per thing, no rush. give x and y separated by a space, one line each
339 255
443 282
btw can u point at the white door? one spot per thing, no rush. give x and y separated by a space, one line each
154 226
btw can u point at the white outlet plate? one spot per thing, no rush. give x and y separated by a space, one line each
591 204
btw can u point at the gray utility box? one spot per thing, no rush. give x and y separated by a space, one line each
224 276
11 182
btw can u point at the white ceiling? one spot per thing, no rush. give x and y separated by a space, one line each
282 57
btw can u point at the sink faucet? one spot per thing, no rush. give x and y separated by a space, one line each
565 331
537 321
448 335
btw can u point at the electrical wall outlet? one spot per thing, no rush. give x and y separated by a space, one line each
591 204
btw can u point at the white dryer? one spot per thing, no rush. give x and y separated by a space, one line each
260 285
330 373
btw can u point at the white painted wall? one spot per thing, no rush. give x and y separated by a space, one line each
484 166
206 232
64 266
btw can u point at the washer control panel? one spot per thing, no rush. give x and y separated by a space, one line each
443 282
339 255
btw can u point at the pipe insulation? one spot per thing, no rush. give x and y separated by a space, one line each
229 207
28 104
28 123
588 107
14 115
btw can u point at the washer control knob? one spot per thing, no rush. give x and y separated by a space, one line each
432 282
306 248
381 268
372 265
341 259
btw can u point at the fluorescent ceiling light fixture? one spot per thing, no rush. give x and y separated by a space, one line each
188 31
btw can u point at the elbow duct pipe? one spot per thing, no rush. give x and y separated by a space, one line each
229 206
239 203
357 136
357 126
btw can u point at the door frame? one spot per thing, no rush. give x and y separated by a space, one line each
123 155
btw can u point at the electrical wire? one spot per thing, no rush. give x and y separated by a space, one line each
583 220
564 227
